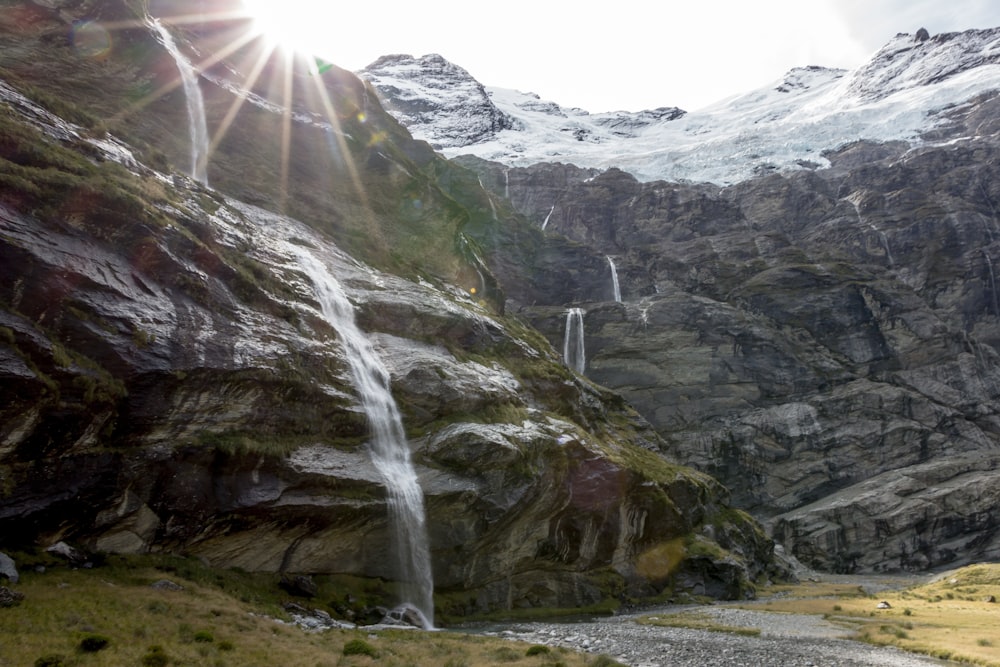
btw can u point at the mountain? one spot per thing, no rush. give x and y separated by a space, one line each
189 358
902 93
823 340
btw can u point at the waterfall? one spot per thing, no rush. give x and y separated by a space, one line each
506 184
389 450
574 355
614 279
546 221
993 284
883 239
197 128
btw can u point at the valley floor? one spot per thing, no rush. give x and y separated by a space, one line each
786 640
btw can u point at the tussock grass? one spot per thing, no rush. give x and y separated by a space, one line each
950 618
217 620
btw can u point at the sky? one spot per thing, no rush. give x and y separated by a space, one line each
627 55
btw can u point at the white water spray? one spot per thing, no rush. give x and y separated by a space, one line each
197 127
506 184
574 354
614 279
388 447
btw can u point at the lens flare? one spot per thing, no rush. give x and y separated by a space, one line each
91 39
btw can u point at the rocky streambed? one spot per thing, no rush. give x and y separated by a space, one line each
785 640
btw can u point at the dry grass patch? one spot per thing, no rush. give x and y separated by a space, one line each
950 618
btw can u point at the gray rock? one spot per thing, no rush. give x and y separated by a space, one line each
166 585
8 568
71 554
10 598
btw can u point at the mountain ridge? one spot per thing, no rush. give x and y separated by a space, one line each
788 124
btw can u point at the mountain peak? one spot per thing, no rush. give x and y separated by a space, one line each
436 100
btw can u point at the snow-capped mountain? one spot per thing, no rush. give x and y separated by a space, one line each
902 93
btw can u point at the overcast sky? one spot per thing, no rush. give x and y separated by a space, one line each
627 54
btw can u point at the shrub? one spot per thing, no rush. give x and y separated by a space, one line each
984 642
155 657
505 654
359 647
226 645
537 649
93 643
50 661
204 636
605 661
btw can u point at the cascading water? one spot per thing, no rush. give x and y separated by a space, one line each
545 222
883 239
993 285
574 355
506 184
614 279
389 450
197 127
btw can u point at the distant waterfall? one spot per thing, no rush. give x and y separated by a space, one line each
545 223
614 279
506 184
574 354
197 128
993 285
388 447
883 239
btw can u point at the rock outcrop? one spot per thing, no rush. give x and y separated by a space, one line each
168 382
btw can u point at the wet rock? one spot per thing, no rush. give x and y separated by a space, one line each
300 585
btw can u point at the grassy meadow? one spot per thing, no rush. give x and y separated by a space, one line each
110 616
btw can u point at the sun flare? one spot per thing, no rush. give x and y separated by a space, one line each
297 25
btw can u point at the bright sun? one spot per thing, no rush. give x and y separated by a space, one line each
301 25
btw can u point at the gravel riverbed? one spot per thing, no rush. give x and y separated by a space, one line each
786 640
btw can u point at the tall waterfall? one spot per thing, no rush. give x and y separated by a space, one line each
574 354
614 279
197 128
388 447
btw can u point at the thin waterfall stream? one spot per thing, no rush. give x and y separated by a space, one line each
574 351
617 292
197 127
388 447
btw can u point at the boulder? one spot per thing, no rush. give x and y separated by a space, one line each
8 569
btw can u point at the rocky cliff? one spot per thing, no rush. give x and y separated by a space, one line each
824 342
170 383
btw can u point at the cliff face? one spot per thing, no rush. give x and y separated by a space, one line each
823 342
169 382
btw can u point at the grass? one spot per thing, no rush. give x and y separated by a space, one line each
950 618
697 621
110 616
